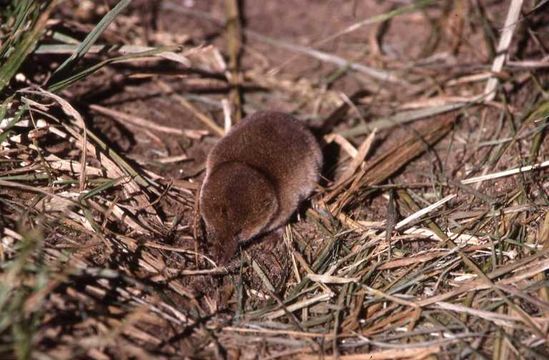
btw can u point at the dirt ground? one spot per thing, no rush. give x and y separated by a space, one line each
151 293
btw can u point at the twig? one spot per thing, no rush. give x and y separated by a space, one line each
234 44
505 173
503 47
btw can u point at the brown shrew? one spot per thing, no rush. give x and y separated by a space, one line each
256 176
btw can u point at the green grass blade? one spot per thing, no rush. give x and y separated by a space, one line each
92 37
18 325
4 107
64 83
18 51
20 14
5 133
99 189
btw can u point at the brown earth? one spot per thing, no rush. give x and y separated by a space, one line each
427 49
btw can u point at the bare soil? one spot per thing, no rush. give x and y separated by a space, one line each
427 49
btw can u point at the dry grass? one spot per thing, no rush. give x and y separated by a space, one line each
429 237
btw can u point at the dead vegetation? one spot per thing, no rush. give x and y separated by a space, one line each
428 238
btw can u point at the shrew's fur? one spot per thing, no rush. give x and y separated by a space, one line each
255 178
